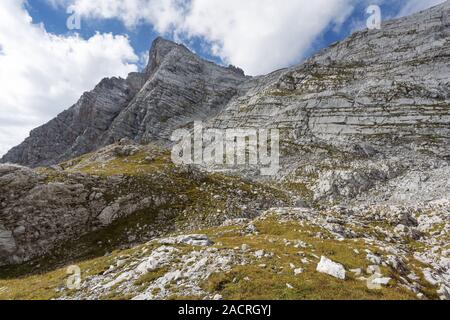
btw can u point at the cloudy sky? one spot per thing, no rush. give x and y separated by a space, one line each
45 66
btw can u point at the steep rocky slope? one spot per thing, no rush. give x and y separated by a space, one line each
79 129
176 88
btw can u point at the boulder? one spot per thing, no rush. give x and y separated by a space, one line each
331 268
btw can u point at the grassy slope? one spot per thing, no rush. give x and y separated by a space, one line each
246 282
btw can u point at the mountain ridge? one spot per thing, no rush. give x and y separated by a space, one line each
49 144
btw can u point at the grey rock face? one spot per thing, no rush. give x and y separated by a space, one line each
181 88
361 113
176 88
36 215
390 84
378 85
79 129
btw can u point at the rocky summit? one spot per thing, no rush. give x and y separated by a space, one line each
360 208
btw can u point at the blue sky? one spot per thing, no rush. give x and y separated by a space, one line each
54 19
46 67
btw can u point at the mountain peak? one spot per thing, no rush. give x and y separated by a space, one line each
161 44
160 41
159 50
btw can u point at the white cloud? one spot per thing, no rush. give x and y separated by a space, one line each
257 35
43 74
262 35
162 14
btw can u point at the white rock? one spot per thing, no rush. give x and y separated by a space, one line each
158 258
381 281
373 269
172 276
259 254
444 292
298 271
121 263
122 277
429 277
251 228
401 229
331 268
413 276
374 258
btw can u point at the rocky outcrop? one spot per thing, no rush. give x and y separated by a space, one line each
306 251
36 214
181 88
